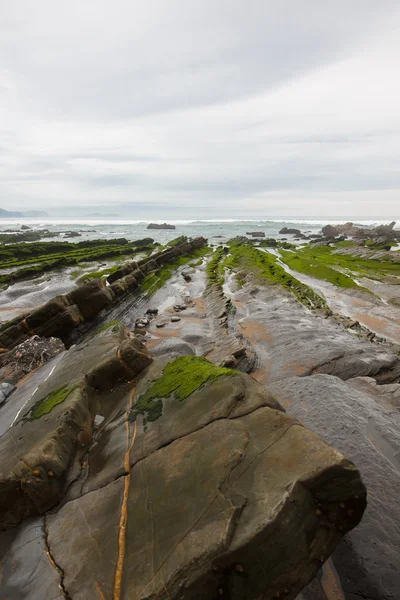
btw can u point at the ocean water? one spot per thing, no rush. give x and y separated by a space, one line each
213 230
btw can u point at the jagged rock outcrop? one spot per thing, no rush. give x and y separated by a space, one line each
349 229
194 481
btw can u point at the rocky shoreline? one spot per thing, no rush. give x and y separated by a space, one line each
213 429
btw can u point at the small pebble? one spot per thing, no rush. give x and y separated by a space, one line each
175 319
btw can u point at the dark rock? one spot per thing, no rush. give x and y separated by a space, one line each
24 227
175 319
119 287
290 230
92 305
152 311
72 234
179 307
256 233
130 282
83 291
62 324
158 226
38 317
122 271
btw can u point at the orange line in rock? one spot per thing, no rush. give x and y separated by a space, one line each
124 507
99 590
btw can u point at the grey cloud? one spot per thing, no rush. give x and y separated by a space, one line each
185 104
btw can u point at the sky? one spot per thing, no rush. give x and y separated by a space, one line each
230 109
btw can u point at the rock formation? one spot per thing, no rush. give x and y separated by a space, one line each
192 483
63 314
160 226
349 229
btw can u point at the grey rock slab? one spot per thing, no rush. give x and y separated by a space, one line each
354 422
173 345
26 568
240 491
292 341
225 397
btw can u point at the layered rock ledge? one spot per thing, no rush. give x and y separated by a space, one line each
187 482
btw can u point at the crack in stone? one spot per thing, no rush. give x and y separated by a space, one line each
53 561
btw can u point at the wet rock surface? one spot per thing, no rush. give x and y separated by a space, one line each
367 559
147 488
292 341
196 486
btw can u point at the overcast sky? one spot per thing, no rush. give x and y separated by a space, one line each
201 108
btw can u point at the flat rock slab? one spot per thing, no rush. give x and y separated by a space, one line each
236 495
26 568
368 559
291 341
211 491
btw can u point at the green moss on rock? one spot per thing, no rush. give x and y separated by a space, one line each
181 377
46 404
113 325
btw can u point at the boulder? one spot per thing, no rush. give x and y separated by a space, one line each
92 305
83 291
129 360
121 272
62 324
13 335
138 274
291 230
39 317
130 283
119 287
256 233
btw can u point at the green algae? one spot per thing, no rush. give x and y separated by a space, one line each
215 268
46 404
156 279
114 324
266 268
310 265
339 269
35 259
181 377
177 241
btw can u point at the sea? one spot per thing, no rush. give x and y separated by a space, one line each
214 230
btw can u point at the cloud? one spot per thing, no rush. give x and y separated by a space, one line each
278 107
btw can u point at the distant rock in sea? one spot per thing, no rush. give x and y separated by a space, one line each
8 214
160 226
